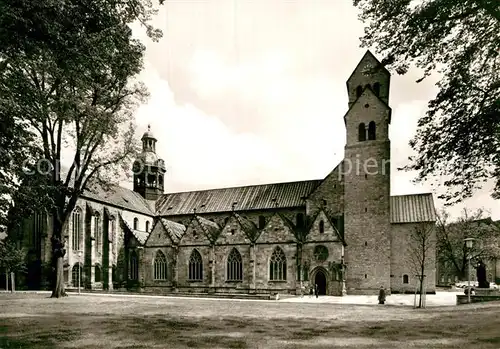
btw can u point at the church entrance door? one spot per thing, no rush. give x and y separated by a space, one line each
320 280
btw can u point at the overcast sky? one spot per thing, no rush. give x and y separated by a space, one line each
253 92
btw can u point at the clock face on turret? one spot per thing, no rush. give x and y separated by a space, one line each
368 69
137 167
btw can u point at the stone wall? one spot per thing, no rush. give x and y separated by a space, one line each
401 260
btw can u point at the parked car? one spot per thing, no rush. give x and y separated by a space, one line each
464 284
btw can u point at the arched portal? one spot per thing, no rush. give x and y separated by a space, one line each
320 280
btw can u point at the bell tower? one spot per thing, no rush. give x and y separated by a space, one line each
149 170
366 171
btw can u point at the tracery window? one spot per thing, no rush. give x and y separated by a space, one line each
277 265
234 266
160 266
195 266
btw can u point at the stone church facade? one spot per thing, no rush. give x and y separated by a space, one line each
344 232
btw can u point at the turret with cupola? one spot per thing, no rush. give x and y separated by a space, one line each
149 170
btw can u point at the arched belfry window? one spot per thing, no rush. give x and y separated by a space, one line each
405 279
147 226
321 227
371 131
136 223
376 88
234 266
277 265
359 91
361 132
195 266
160 266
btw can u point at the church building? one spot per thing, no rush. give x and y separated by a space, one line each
344 232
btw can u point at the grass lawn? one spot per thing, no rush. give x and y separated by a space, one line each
92 321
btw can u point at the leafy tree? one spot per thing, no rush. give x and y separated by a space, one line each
12 259
451 248
70 83
421 243
459 136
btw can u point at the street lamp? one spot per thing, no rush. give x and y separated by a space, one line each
468 245
79 269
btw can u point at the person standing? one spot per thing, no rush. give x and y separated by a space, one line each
381 295
316 290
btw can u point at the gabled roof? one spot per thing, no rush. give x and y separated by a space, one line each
211 229
413 208
141 236
120 197
330 221
248 227
367 57
368 88
174 229
255 197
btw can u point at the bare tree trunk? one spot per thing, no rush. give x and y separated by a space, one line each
58 253
12 282
422 284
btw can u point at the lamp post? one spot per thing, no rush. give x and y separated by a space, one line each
79 269
468 245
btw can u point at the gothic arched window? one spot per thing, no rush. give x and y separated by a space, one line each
234 266
76 220
134 266
160 266
372 131
195 266
361 132
75 275
376 88
97 274
97 231
277 265
136 223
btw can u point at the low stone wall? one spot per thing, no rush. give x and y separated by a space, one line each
462 299
487 292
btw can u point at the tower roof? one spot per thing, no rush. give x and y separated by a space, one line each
148 134
368 60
